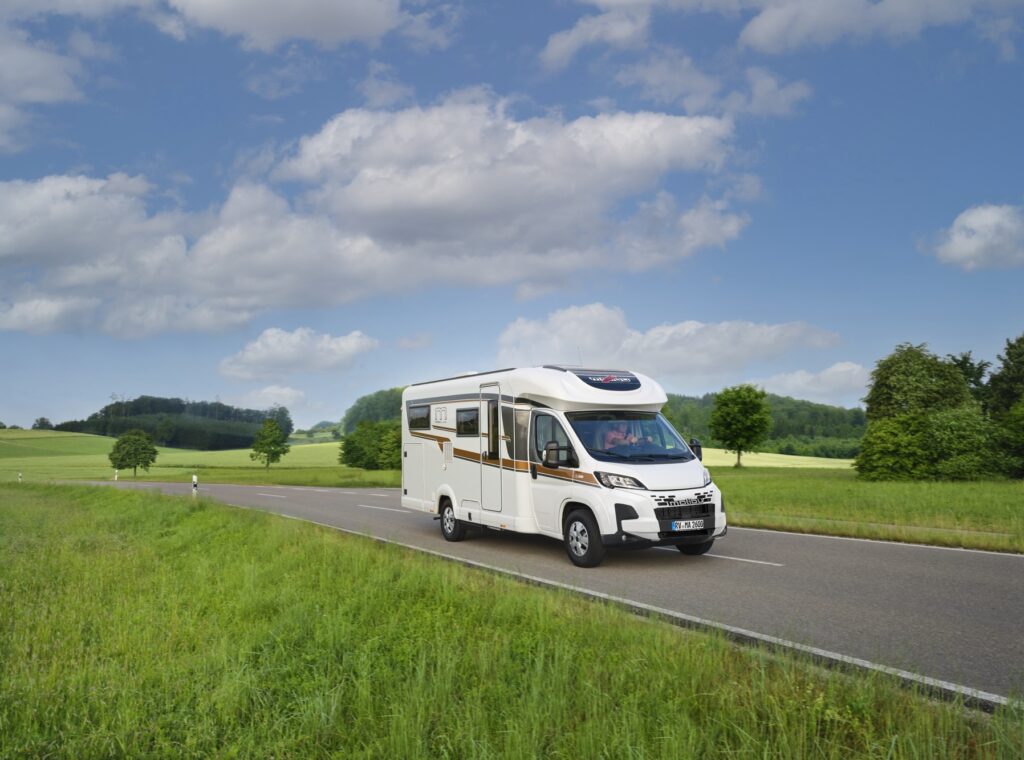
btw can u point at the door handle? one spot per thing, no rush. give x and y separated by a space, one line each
533 471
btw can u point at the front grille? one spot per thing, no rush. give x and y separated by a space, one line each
684 512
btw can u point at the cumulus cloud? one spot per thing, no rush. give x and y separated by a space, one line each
620 27
844 383
278 352
689 352
46 314
984 237
272 395
461 191
381 88
767 95
30 74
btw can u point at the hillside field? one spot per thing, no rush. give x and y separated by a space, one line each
143 625
802 494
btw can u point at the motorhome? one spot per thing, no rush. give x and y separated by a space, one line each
581 455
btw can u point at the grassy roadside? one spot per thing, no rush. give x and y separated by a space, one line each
981 515
143 625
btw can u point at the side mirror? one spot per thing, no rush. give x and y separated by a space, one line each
697 448
551 455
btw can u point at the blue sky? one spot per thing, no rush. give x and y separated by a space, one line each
304 202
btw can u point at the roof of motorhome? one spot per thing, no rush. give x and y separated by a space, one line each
561 387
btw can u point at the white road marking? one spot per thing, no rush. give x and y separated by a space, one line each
879 541
385 495
723 556
272 495
384 509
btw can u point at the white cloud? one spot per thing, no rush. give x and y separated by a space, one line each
693 353
844 383
460 192
285 79
670 76
46 314
381 88
272 395
984 237
625 27
30 74
767 96
278 352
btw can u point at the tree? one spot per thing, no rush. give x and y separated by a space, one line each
741 418
374 407
973 372
924 422
2 426
280 415
133 448
373 446
912 378
42 423
1006 384
270 445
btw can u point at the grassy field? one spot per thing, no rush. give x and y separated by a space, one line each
983 515
771 491
49 455
140 625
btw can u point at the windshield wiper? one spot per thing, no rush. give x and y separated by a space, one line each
667 456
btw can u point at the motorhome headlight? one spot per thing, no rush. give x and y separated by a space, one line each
707 477
608 480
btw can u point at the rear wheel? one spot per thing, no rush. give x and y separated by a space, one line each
694 550
451 529
583 539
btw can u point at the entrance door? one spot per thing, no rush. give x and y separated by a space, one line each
490 449
551 486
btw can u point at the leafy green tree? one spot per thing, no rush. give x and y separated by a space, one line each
892 449
912 379
2 426
282 417
973 371
1010 439
135 449
270 445
374 407
42 423
1006 384
741 418
924 423
373 446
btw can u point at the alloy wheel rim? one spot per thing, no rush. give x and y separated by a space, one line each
449 520
579 540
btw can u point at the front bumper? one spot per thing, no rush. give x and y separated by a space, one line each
648 531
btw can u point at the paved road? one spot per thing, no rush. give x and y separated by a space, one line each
947 614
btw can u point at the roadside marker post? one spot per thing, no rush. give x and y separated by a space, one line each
115 474
19 476
195 485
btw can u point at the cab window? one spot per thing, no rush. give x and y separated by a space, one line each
547 429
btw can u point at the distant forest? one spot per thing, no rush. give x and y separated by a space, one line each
799 427
203 425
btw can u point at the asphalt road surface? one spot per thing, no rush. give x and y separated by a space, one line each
953 615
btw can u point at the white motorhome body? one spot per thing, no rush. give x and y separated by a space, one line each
581 455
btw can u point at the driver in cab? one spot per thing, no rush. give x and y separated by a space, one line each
618 436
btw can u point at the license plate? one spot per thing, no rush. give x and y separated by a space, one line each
687 525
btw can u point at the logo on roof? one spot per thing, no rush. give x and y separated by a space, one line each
609 381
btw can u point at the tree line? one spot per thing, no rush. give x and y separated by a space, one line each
202 425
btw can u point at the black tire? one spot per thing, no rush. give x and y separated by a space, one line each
694 550
583 539
451 529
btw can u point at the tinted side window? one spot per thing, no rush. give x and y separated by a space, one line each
545 430
419 417
467 422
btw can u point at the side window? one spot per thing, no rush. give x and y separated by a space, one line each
419 417
467 422
545 430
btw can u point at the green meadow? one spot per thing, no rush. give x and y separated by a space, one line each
803 494
141 625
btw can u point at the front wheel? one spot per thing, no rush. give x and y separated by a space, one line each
694 550
583 539
451 529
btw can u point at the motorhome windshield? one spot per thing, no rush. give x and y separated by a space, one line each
638 437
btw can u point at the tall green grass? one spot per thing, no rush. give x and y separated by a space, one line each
977 515
138 625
